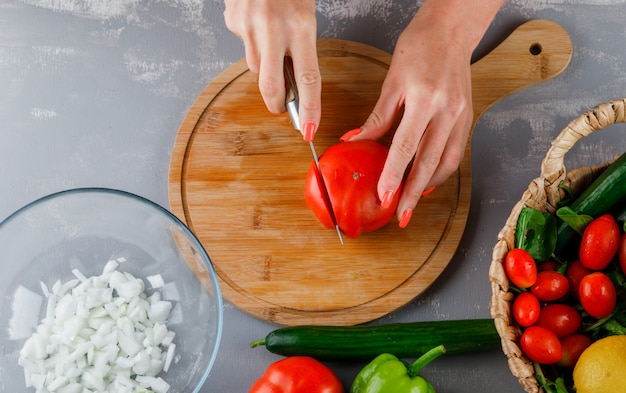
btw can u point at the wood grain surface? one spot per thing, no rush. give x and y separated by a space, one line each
237 178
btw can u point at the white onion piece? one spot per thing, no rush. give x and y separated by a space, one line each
100 333
156 281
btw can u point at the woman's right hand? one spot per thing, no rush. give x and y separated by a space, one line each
271 30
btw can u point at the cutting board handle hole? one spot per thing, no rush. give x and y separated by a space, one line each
535 49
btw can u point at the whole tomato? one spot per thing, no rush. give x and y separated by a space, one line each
541 345
600 242
573 346
547 265
550 286
297 374
526 309
597 294
520 268
350 171
560 319
575 272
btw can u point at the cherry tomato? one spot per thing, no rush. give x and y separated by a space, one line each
541 345
351 171
600 242
520 268
597 294
622 253
573 346
574 273
560 319
550 286
547 265
526 309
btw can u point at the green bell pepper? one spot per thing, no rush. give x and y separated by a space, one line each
386 373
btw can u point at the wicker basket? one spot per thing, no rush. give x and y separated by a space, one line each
543 193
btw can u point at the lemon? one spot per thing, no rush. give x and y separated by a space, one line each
600 368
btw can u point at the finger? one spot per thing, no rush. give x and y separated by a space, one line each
428 158
402 150
453 153
253 58
309 82
271 78
382 116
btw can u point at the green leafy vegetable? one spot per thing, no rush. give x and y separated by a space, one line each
577 222
536 233
556 386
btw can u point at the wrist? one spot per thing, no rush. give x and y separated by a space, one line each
457 22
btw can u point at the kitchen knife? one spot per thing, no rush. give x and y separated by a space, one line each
291 103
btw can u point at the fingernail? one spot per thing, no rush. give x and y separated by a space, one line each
309 131
426 192
406 217
387 198
348 135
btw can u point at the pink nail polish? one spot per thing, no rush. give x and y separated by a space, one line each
406 217
426 192
308 131
348 135
387 198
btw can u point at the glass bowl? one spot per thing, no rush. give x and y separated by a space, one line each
83 229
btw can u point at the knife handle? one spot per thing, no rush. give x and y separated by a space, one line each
291 93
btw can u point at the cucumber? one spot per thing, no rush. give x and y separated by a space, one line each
605 194
365 342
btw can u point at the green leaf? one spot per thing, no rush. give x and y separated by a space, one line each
561 387
614 327
556 386
617 278
578 222
536 233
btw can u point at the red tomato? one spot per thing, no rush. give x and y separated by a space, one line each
526 309
520 268
574 273
573 346
541 345
297 374
600 242
622 253
550 286
597 294
560 319
547 265
351 171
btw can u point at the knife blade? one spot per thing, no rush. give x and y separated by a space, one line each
292 105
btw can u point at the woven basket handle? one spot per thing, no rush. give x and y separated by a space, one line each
595 119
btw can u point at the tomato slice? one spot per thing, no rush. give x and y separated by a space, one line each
315 198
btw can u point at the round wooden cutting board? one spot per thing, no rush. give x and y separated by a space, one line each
237 180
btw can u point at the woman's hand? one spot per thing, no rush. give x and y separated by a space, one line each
271 30
430 79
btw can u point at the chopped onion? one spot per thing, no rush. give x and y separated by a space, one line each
100 333
156 281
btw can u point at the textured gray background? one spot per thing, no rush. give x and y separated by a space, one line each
92 93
